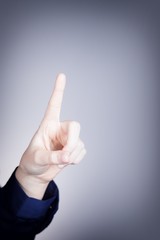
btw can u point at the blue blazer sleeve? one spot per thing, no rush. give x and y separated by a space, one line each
22 217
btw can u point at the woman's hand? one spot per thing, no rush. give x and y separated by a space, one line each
54 146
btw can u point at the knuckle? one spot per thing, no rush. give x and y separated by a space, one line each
82 144
84 151
76 124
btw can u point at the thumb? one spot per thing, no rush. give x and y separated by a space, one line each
44 157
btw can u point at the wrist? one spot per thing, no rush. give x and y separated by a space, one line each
31 185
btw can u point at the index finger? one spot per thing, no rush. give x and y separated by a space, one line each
55 102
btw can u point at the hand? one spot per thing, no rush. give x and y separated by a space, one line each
54 146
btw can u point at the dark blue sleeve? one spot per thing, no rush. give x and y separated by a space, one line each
22 216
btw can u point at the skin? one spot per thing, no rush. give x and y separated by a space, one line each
54 146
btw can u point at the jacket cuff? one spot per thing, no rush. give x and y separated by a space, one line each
26 207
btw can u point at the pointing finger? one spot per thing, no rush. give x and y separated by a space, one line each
55 102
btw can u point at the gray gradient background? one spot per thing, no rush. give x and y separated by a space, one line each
110 55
